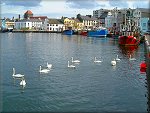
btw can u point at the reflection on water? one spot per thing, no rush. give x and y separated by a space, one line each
91 87
128 50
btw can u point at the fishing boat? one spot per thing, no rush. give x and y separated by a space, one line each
68 32
128 40
100 32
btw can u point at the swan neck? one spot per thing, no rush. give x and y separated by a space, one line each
13 71
68 63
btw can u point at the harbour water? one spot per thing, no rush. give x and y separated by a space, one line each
90 87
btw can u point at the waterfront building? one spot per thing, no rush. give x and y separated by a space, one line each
98 13
88 21
78 24
55 25
27 24
69 23
43 19
3 24
142 16
102 19
108 20
10 23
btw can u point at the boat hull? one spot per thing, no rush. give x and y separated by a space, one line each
98 33
84 33
68 32
128 41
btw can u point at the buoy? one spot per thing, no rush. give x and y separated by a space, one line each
143 67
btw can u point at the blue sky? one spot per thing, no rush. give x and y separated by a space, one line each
69 8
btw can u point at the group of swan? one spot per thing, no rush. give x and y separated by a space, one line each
19 76
49 66
73 61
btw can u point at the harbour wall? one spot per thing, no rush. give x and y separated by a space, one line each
147 59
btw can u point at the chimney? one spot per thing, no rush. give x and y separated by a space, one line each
89 16
19 17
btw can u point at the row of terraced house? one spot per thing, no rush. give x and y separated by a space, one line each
110 19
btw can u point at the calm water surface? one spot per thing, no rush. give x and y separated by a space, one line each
91 87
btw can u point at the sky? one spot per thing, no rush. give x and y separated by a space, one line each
67 8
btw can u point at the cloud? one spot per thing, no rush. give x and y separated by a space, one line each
82 4
25 3
118 3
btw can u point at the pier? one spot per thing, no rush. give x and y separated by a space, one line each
147 58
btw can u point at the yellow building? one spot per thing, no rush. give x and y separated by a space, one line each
10 24
73 23
78 25
69 23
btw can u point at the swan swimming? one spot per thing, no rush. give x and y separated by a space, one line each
113 62
131 58
23 82
49 66
17 75
75 61
117 59
70 66
43 70
97 61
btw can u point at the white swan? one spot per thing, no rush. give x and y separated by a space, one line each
23 82
17 75
113 62
43 70
117 59
49 66
70 66
75 61
97 61
131 58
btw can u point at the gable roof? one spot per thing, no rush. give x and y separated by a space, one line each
54 21
88 18
29 12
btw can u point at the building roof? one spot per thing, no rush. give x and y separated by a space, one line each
54 21
144 10
77 20
29 20
88 18
29 12
39 17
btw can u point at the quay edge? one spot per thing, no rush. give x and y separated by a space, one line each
147 59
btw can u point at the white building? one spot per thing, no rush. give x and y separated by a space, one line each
108 20
55 25
35 24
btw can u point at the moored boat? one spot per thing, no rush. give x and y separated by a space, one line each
128 41
84 33
98 33
68 32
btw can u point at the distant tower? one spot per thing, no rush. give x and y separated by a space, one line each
19 17
28 14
